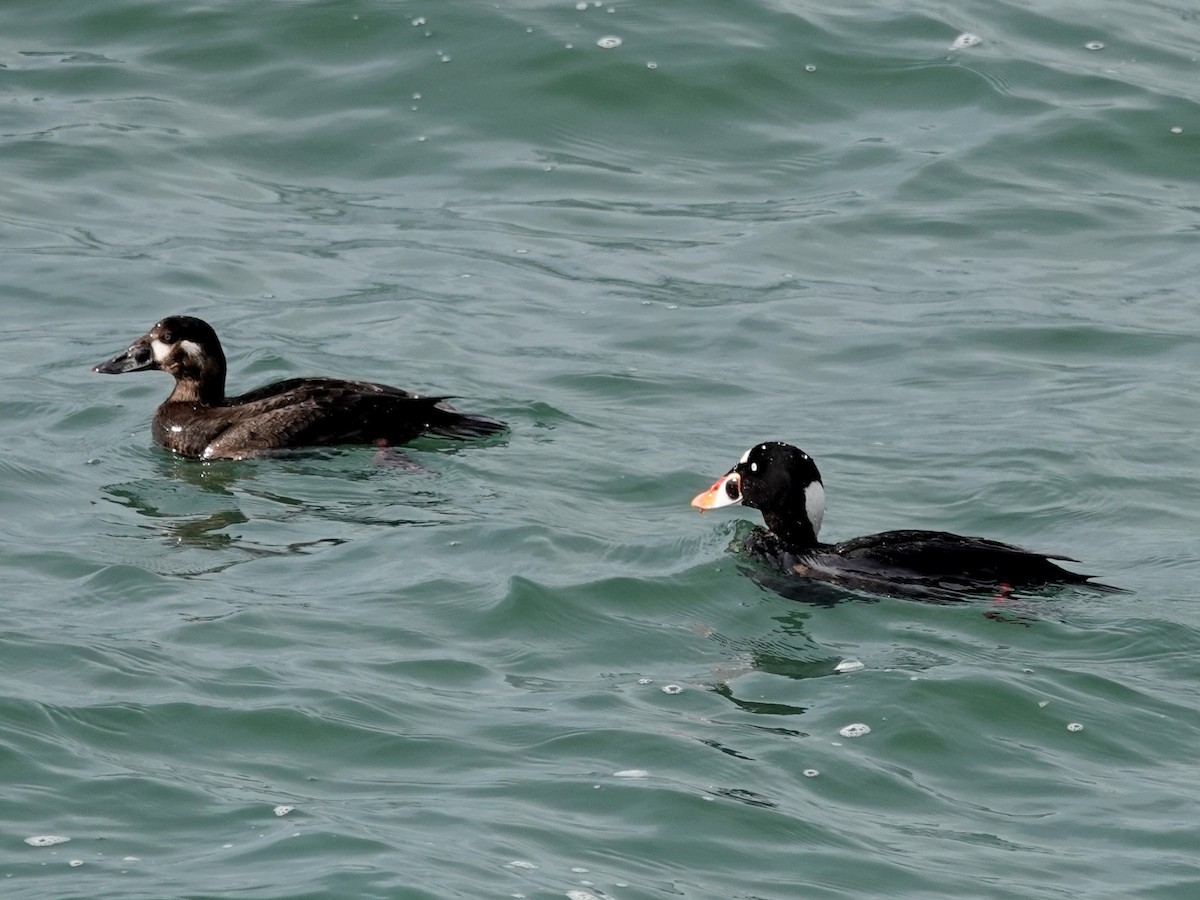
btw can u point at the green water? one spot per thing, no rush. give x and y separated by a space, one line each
965 281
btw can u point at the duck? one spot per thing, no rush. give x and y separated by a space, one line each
199 421
783 483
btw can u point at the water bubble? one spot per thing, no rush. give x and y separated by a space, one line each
1093 45
579 870
849 664
609 41
810 68
1176 130
283 809
965 40
645 680
521 864
581 5
858 729
569 46
75 863
46 840
672 689
444 58
811 773
417 23
1042 704
651 65
1074 726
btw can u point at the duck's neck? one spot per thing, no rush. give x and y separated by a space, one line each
795 532
203 391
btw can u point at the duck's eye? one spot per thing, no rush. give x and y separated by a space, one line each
166 337
733 487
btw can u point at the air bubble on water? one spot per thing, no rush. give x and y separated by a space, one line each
858 729
672 689
646 680
283 809
1074 726
131 859
418 22
849 664
422 139
609 41
811 773
46 840
75 863
529 30
965 40
810 68
569 46
1176 130
1042 704
444 58
579 870
417 96
1093 45
520 864
651 65
631 773
581 5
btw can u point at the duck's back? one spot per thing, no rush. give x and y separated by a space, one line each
301 412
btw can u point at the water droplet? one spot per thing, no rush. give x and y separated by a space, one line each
609 41
965 40
858 729
1094 45
672 689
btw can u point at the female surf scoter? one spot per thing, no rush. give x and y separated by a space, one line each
198 420
782 482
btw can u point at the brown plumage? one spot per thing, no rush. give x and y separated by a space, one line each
198 420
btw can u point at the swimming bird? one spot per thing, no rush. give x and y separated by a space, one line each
783 483
199 420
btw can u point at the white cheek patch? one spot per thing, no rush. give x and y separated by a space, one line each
161 350
814 505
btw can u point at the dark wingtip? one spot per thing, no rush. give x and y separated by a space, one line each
465 426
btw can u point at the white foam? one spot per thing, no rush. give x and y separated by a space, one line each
283 809
965 40
858 729
46 840
609 42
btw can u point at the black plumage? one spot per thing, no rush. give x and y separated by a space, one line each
783 483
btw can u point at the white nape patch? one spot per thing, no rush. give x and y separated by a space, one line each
192 349
814 505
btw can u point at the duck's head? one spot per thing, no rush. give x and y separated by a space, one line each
184 346
779 480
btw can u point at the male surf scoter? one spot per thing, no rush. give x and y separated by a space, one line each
782 482
198 420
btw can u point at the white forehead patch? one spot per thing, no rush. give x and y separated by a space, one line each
745 457
814 505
